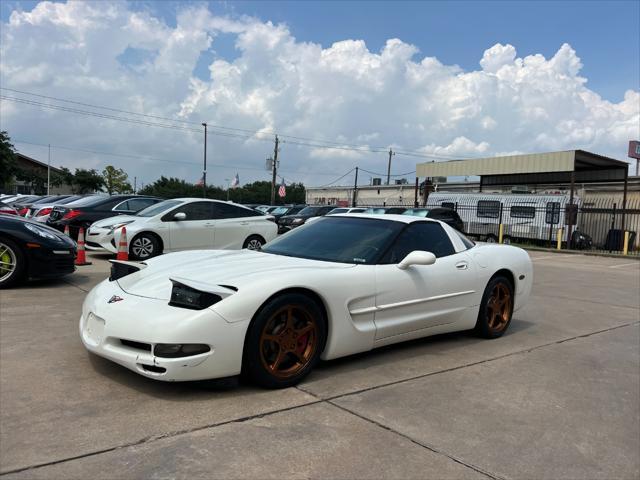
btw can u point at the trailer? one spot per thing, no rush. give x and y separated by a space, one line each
528 218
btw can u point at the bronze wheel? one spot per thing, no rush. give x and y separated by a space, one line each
288 341
496 308
284 341
499 307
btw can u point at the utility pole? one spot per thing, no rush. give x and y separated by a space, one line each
204 171
49 170
391 153
355 189
135 184
274 168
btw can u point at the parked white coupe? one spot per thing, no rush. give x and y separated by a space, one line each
341 285
184 224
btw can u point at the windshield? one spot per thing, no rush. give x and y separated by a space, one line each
90 200
338 239
416 212
338 210
158 208
309 210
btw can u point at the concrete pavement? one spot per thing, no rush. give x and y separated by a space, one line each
557 397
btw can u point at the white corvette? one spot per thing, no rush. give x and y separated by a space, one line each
341 285
184 224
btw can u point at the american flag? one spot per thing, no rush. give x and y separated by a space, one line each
282 191
200 182
235 182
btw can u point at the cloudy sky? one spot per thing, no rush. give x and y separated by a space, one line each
129 83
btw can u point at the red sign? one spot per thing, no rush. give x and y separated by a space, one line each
634 149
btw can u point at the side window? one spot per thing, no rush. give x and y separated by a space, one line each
224 210
194 211
137 204
122 207
552 215
427 236
488 209
450 205
522 211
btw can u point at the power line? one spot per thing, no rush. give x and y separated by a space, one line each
145 157
246 133
337 179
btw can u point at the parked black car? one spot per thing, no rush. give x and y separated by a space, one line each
282 210
289 222
386 210
446 215
31 250
85 211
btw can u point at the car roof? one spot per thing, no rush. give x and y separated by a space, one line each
392 217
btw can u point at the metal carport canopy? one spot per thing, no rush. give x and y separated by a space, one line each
566 161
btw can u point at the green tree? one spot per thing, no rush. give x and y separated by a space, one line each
64 177
87 181
175 188
7 159
115 180
33 178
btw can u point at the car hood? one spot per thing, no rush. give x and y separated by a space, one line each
235 268
108 222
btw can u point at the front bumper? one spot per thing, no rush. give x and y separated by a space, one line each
149 321
51 263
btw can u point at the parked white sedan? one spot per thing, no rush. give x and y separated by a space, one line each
340 285
184 224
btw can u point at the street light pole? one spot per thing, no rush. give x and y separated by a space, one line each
204 171
391 153
49 170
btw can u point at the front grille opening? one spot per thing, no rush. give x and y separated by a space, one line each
153 368
137 345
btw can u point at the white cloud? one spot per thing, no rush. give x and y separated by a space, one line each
344 93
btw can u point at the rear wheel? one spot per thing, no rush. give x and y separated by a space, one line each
284 342
254 242
506 240
144 246
12 264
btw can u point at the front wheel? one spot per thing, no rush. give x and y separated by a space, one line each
12 264
254 242
284 342
496 308
144 246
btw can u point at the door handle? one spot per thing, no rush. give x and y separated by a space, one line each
462 265
209 224
244 223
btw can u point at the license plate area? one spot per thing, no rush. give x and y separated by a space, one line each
94 329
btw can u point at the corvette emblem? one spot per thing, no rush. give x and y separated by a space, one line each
115 299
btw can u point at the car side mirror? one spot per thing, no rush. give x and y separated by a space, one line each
180 216
417 257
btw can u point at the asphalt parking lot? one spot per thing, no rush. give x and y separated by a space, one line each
557 397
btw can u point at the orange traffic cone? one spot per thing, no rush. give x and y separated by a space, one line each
81 259
66 230
123 248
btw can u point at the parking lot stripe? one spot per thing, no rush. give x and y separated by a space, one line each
624 265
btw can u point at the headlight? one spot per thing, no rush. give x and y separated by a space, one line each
42 232
298 220
186 297
118 225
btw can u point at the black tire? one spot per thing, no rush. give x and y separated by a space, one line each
254 242
506 240
144 246
491 239
11 253
284 341
496 308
